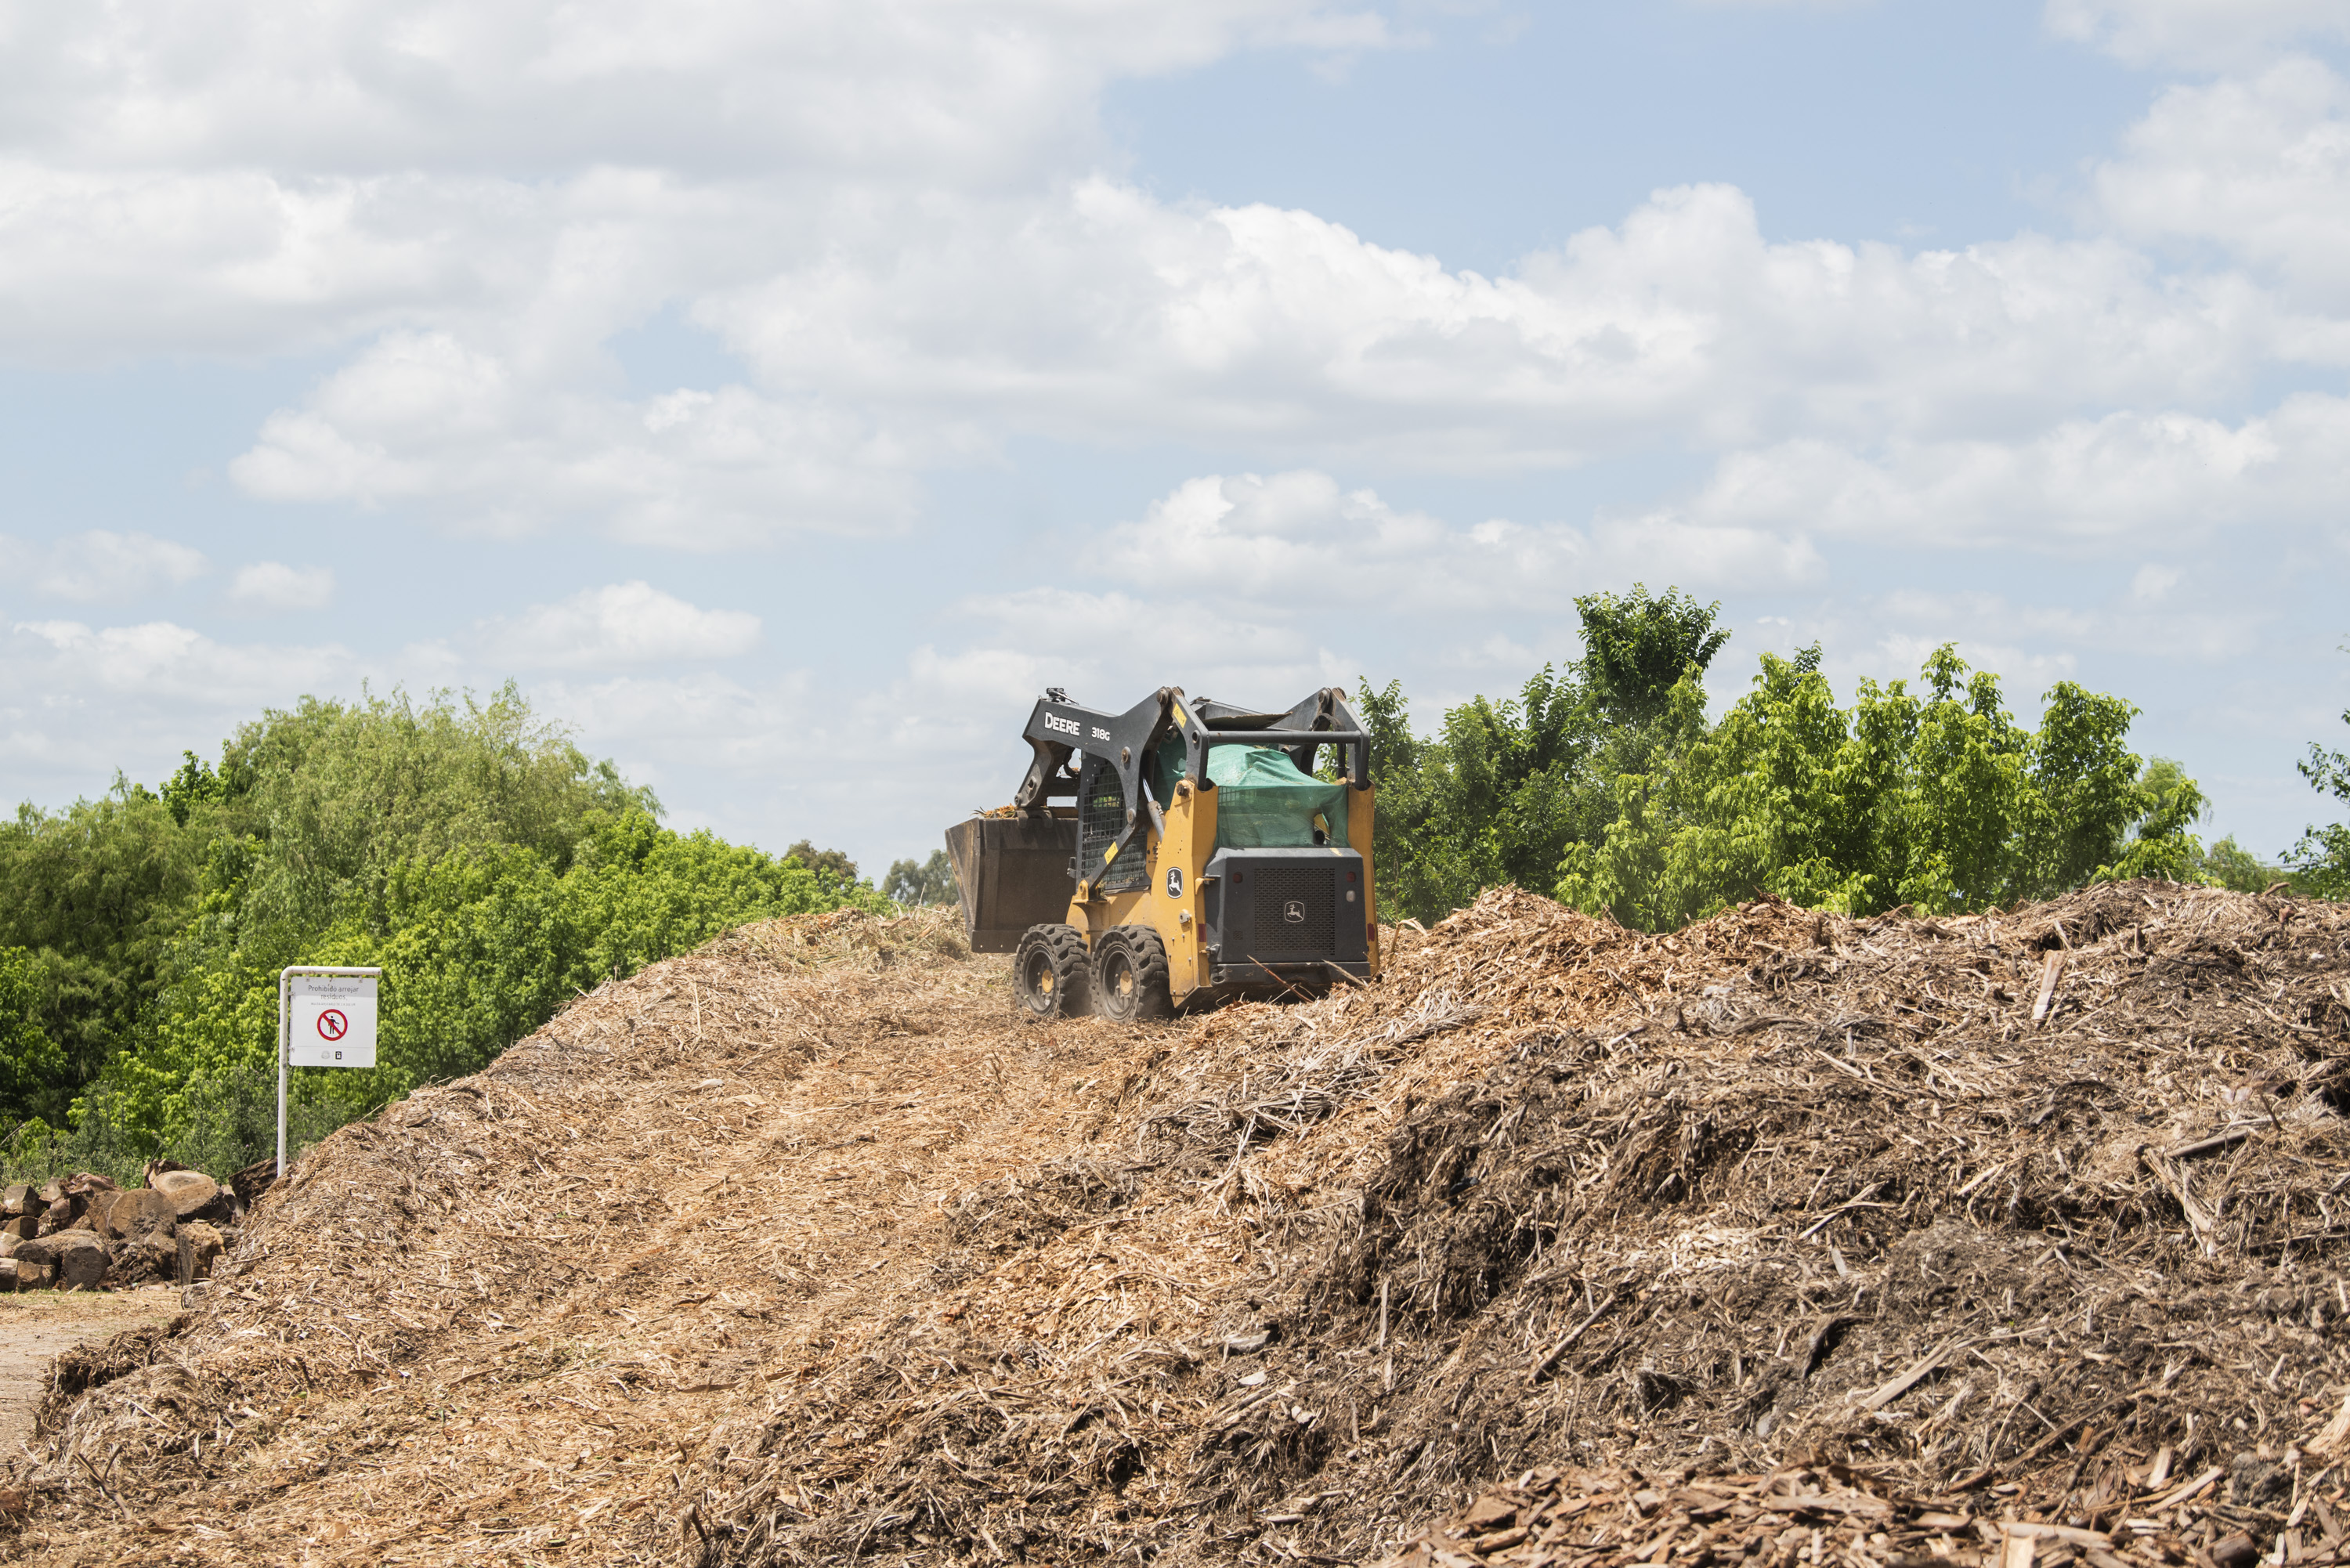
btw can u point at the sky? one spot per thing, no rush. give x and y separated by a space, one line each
784 396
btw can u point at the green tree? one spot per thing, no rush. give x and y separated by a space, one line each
478 948
1506 787
2229 864
97 893
1937 800
195 785
341 792
30 1062
1499 789
1400 884
914 883
1637 647
833 862
466 848
2321 859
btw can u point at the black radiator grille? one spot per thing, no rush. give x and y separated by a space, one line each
1297 913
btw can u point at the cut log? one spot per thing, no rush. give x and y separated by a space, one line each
13 1198
70 1258
142 1211
27 1226
99 1203
201 1247
58 1216
52 1190
82 1268
189 1190
32 1276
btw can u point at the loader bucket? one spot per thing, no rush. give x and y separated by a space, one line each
1014 874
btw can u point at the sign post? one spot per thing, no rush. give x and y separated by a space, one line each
325 1018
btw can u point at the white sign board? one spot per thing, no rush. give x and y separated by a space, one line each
333 1021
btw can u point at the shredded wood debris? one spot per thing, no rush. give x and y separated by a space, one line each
2010 1235
1838 1514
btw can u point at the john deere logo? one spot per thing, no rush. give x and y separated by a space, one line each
1294 911
1174 881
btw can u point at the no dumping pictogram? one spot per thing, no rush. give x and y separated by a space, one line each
332 1024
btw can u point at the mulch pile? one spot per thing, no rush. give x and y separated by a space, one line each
1785 1236
1617 1517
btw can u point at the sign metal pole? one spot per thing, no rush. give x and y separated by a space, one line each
338 1027
282 975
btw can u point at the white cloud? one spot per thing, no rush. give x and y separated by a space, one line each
2259 166
1226 634
651 723
1267 567
931 330
891 215
879 86
2031 644
895 217
159 659
233 177
2153 582
2136 478
270 585
1111 315
608 628
100 566
422 418
1670 547
1265 538
2195 35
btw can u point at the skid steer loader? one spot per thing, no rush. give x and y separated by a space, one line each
1199 859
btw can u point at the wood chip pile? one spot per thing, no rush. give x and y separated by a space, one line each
82 1232
803 1248
1613 1518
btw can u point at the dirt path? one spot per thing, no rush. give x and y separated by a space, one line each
38 1324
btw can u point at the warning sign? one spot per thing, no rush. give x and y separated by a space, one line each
333 1021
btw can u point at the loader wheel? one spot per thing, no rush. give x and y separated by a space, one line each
1052 974
1130 975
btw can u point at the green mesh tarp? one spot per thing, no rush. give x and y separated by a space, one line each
1263 802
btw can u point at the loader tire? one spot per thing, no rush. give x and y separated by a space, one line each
1130 975
1052 974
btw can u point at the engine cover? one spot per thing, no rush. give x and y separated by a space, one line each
1268 908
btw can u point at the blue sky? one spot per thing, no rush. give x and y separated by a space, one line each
784 396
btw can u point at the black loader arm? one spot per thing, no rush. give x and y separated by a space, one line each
1119 744
1327 710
